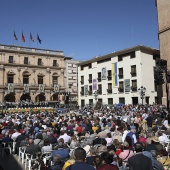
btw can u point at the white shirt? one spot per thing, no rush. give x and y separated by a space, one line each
124 135
15 135
163 138
66 138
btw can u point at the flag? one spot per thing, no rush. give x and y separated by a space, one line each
23 38
38 38
114 74
15 37
31 37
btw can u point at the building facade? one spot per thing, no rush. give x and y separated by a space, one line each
71 77
116 77
31 74
163 10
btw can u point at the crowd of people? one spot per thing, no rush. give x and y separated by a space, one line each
131 137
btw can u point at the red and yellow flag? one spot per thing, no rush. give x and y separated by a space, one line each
23 38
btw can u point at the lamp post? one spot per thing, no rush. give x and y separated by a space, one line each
142 91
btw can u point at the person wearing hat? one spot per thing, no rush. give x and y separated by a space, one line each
156 143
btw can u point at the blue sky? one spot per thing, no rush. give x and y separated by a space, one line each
81 28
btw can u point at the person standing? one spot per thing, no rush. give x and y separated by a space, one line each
139 161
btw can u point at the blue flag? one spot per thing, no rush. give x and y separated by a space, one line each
38 38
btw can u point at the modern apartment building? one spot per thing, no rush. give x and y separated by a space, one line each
31 74
116 77
71 77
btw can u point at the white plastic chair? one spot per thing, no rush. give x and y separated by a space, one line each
6 146
21 154
29 158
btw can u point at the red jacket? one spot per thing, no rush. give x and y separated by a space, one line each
108 167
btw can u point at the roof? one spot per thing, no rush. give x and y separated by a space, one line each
127 50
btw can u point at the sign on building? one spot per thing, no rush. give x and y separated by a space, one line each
127 85
41 88
10 87
94 84
56 88
26 88
86 90
104 73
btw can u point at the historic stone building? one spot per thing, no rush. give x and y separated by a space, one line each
31 74
163 9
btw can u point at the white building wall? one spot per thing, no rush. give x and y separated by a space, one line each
145 77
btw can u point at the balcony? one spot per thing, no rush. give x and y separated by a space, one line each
82 82
55 65
90 92
109 78
109 91
99 91
82 93
90 80
133 74
134 88
99 79
40 63
121 90
120 76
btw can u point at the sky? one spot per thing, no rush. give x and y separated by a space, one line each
82 29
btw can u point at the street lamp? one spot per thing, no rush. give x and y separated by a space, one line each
142 91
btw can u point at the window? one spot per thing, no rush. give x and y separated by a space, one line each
10 78
90 65
82 91
55 63
120 73
25 79
40 79
99 77
99 89
109 90
133 70
134 85
70 78
90 90
120 58
91 102
25 60
90 78
11 59
55 80
74 71
69 71
82 68
39 61
82 80
70 85
109 73
122 100
121 86
132 54
110 101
